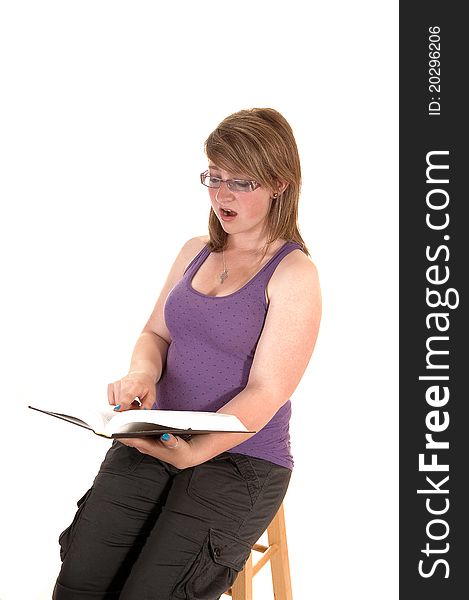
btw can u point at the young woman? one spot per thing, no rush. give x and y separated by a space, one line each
232 331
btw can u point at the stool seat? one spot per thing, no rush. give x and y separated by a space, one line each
277 553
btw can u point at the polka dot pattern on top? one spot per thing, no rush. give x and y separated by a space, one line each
214 339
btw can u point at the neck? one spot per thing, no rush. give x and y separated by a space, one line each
245 243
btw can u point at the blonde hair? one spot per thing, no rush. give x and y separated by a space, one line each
259 143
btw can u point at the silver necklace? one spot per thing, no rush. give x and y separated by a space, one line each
224 274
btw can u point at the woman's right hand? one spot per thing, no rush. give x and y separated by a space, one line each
123 393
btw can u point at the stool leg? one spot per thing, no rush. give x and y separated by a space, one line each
279 563
242 587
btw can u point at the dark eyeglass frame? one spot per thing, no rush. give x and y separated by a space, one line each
229 182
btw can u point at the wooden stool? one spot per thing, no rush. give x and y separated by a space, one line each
277 553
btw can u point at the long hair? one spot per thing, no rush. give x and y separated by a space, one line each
259 143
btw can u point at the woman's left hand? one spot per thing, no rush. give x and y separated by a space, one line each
169 448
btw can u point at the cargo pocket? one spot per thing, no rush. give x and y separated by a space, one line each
226 485
66 537
254 471
121 459
214 569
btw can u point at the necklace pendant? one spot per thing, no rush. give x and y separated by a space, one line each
223 276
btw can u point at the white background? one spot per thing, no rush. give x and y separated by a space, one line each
105 108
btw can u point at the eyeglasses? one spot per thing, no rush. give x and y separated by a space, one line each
234 185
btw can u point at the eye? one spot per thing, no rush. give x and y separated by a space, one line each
214 180
242 185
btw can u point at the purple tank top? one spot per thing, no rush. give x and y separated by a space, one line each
213 340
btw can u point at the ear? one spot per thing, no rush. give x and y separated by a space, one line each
281 187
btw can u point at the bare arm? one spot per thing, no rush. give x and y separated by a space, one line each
149 354
282 354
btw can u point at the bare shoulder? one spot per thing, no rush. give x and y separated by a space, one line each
297 273
194 245
295 266
191 248
186 254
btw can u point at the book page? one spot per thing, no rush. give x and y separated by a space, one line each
80 415
175 419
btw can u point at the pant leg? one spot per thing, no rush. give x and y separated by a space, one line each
213 515
111 525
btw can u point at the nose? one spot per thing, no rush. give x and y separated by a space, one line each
223 193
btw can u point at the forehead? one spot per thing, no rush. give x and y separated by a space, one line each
227 171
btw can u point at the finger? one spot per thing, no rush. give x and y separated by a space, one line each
132 443
169 441
147 401
129 399
143 445
133 394
110 394
145 394
114 389
126 400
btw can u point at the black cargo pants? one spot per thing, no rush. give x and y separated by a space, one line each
146 530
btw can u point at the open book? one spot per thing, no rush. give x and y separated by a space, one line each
147 423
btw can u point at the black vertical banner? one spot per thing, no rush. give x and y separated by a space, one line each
434 269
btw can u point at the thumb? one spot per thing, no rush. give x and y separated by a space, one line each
169 441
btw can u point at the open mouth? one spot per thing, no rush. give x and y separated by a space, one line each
227 212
